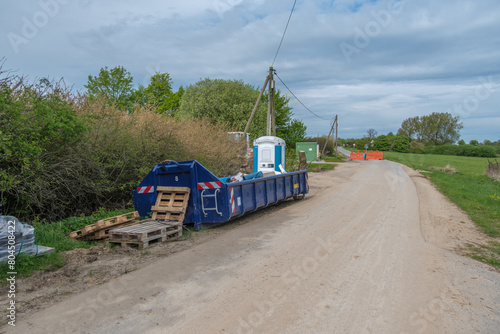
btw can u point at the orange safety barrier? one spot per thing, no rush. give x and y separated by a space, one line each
375 155
367 155
356 156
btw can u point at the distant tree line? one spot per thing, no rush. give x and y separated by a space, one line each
431 134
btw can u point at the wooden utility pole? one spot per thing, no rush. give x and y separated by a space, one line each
336 134
247 127
328 138
271 120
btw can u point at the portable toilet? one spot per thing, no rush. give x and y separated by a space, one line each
268 153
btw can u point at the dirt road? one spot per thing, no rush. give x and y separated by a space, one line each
353 257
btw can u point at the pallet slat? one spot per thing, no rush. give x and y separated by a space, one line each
171 203
98 230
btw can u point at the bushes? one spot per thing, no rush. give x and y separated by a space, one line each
63 155
417 147
462 150
401 144
382 143
39 125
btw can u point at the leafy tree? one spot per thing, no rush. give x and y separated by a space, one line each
223 102
474 142
159 91
435 129
461 142
158 94
230 102
487 142
382 143
401 144
411 128
441 128
115 85
139 96
295 131
372 133
173 102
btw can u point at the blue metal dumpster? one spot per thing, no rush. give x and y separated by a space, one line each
212 200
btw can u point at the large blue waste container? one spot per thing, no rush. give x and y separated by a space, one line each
212 200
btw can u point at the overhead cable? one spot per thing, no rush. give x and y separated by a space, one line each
284 32
326 119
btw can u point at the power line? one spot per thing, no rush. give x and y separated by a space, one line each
326 119
284 32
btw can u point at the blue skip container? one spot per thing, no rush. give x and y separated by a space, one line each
213 200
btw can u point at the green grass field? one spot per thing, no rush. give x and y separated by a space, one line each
468 187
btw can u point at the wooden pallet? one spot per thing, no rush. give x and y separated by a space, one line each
99 229
104 233
171 203
145 233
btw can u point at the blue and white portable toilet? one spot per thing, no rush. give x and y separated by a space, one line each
268 153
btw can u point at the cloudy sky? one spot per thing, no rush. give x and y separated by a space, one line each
372 63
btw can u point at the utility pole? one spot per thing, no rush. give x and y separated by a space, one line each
328 138
247 127
336 134
271 119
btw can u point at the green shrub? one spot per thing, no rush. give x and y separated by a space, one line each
64 155
401 144
462 150
417 147
382 143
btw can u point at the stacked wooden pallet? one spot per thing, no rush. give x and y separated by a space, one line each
144 234
166 221
100 229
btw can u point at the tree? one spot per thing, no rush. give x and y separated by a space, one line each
441 128
382 143
461 142
115 85
173 102
159 91
230 102
435 129
474 142
411 128
401 144
223 102
372 133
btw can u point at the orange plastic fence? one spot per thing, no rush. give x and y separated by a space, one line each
367 155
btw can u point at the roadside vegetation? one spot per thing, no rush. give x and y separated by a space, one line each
74 154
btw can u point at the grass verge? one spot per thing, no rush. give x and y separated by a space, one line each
55 235
315 168
476 194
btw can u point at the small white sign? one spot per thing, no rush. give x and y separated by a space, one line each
310 149
239 201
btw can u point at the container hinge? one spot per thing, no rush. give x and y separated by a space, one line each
204 209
